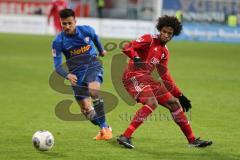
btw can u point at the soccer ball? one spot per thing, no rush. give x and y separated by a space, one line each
43 140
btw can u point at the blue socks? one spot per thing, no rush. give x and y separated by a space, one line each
98 106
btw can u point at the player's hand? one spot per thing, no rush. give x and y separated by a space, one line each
185 103
103 53
72 78
138 62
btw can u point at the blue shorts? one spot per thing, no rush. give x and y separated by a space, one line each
86 76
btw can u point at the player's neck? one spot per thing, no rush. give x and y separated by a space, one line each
73 33
162 43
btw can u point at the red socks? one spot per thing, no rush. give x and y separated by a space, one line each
138 119
180 118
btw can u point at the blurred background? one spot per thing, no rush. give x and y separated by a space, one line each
204 20
204 63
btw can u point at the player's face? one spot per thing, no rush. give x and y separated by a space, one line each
68 25
166 34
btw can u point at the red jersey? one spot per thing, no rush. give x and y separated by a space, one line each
154 55
57 5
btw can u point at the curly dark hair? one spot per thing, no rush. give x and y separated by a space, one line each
169 21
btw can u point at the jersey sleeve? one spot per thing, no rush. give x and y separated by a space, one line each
135 47
166 77
95 39
57 59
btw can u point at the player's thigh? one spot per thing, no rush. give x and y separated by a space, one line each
172 104
161 93
140 89
94 88
146 96
81 91
93 79
94 74
165 98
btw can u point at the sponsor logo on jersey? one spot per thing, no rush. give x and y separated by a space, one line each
80 50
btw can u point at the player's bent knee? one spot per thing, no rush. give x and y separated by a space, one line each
94 94
163 98
85 104
85 110
151 101
172 104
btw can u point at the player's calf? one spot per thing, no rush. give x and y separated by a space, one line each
98 105
91 116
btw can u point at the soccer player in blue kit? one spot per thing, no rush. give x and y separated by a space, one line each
85 72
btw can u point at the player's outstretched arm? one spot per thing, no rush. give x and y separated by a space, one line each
141 44
58 66
57 59
172 87
167 78
96 41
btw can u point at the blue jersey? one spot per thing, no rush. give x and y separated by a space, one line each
78 49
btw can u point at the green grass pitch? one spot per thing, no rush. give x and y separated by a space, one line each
208 73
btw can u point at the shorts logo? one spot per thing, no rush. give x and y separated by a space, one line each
136 85
154 61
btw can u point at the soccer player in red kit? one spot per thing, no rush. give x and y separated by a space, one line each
147 53
57 6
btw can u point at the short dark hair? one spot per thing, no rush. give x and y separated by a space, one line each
169 21
65 13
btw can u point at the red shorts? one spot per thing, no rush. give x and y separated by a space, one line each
141 87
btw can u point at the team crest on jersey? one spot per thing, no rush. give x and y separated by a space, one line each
154 36
86 39
140 39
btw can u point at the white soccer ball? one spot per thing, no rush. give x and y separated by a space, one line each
43 140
